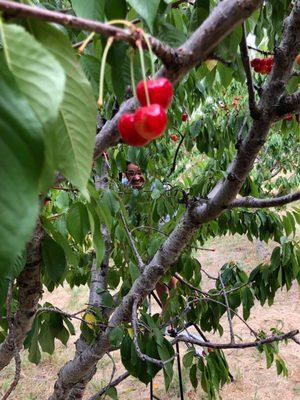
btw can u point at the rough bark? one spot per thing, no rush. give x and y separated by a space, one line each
30 289
99 276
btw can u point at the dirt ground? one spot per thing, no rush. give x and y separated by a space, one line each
252 381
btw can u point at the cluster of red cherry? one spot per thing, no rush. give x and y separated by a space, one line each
262 65
150 120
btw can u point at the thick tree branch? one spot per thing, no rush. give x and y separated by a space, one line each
252 202
30 289
243 345
246 63
19 10
288 104
16 351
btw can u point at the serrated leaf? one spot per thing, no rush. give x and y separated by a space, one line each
116 336
74 135
21 161
71 257
53 258
90 9
115 9
39 76
78 222
146 9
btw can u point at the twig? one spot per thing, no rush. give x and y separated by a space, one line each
265 53
114 369
149 228
227 310
244 345
217 57
175 156
254 112
296 340
16 352
71 316
114 383
142 356
141 264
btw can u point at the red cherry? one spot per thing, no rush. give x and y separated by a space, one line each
184 116
288 117
128 131
47 200
151 121
174 138
255 62
160 92
298 59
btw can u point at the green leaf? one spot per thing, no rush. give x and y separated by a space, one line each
71 257
74 137
106 299
21 161
134 271
46 339
116 336
90 9
53 258
115 9
35 70
146 9
110 200
112 393
78 222
188 358
193 376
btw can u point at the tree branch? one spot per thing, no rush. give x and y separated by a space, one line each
175 156
141 264
243 345
18 10
288 104
252 202
16 352
232 341
142 356
30 289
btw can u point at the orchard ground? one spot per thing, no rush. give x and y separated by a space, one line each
252 381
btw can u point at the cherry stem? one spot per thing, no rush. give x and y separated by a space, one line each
132 73
86 42
150 51
140 47
102 69
123 22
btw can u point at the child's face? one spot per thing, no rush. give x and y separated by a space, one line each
134 176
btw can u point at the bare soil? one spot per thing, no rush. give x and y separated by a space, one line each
252 380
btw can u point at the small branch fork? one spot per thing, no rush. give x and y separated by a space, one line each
141 264
16 352
142 356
